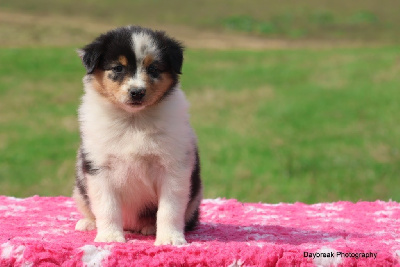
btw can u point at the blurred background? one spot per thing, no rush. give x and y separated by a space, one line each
291 100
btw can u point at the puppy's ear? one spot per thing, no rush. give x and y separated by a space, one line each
173 51
91 54
175 54
80 53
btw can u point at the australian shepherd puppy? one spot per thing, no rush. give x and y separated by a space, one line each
138 164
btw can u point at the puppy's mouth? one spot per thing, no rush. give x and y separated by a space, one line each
135 103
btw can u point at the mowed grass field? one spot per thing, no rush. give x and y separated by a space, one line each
274 126
314 119
365 20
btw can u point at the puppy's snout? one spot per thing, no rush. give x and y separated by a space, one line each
137 94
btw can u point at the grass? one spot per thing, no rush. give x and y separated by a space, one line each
365 20
279 125
315 24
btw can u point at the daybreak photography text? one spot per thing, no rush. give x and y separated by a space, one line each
339 254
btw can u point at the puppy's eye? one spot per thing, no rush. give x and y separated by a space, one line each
153 70
118 68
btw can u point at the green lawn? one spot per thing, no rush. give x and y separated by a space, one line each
273 126
367 20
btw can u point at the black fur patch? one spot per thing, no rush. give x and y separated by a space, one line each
195 178
172 51
82 187
88 166
194 191
148 212
194 220
80 180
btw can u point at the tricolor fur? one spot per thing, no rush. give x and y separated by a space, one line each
138 164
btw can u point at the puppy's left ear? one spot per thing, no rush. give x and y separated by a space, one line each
174 52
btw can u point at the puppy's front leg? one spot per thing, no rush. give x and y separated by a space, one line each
173 200
106 208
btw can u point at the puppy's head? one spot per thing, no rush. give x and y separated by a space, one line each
133 67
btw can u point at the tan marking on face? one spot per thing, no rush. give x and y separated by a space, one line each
123 60
157 89
148 60
107 87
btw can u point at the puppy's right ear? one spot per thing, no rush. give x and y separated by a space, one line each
91 55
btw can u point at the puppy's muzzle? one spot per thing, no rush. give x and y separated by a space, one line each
137 94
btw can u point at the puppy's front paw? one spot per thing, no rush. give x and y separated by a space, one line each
110 236
85 225
174 239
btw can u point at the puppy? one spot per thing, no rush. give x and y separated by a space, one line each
137 166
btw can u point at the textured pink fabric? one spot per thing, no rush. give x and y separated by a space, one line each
39 231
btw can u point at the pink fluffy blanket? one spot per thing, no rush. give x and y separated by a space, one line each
39 231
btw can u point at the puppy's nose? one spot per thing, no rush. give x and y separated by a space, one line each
137 94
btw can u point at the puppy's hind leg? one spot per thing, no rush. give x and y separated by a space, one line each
148 230
81 198
87 223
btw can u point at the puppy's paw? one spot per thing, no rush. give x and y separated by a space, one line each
110 236
174 239
148 230
85 225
